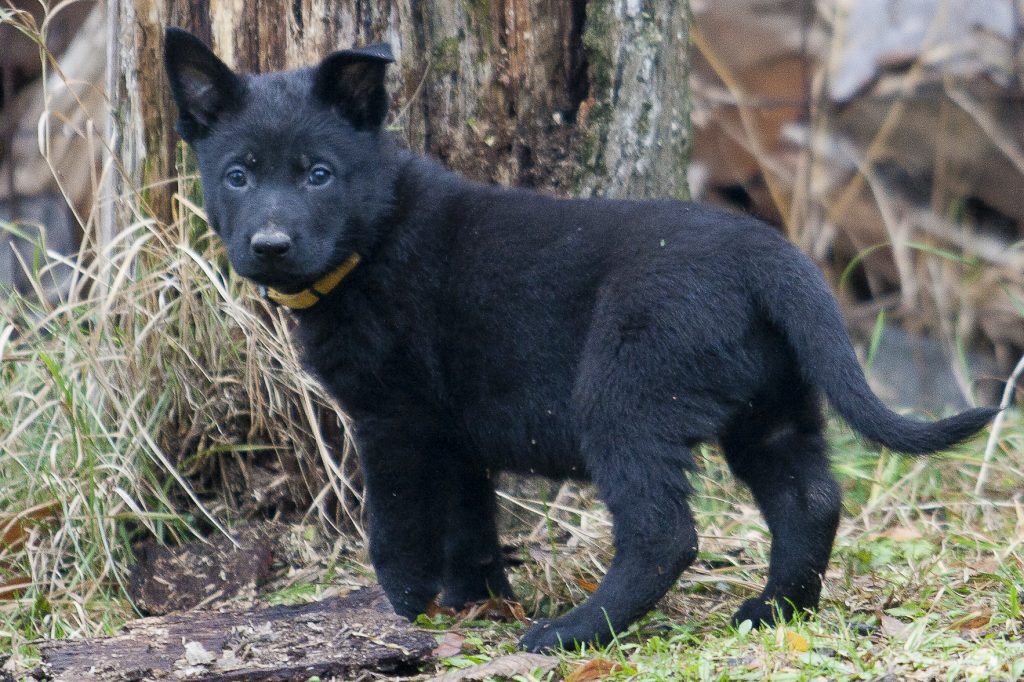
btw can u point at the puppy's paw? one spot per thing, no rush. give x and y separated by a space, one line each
541 637
564 633
551 635
461 596
410 603
763 612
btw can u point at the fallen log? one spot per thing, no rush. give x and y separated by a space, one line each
337 637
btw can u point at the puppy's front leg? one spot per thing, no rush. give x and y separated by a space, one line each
473 563
405 500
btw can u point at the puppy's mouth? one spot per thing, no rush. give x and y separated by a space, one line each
290 282
282 280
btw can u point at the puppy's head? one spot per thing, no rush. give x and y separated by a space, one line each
294 169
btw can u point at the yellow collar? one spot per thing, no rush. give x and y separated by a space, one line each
307 298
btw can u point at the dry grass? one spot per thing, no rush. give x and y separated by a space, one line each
158 397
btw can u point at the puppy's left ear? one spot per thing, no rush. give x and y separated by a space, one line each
353 82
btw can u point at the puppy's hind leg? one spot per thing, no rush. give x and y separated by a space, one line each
776 447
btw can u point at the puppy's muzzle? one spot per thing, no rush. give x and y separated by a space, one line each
269 244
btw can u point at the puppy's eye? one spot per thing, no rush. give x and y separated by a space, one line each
320 175
237 178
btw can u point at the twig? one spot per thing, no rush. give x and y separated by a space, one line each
997 425
891 121
989 125
760 154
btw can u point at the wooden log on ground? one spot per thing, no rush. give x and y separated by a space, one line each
337 637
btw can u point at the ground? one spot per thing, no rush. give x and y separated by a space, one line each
925 581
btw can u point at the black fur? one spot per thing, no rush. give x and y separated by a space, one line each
491 329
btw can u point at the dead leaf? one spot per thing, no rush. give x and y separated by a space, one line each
892 627
434 609
796 642
505 666
502 610
12 588
451 646
989 564
901 533
14 527
588 586
594 669
514 611
973 621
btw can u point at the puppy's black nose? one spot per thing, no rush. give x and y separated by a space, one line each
270 243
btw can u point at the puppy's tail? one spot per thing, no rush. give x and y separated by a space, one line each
796 299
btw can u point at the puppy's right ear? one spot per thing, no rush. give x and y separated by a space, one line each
204 88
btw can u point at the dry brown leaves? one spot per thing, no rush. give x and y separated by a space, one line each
450 646
502 667
594 669
14 530
501 610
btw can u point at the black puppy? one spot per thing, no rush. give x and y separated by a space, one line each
470 329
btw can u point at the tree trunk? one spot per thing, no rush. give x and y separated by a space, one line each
575 97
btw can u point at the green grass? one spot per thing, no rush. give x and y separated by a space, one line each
926 580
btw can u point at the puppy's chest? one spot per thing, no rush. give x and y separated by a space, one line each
523 434
369 361
510 410
513 406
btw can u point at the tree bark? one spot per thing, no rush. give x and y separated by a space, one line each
344 638
574 97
